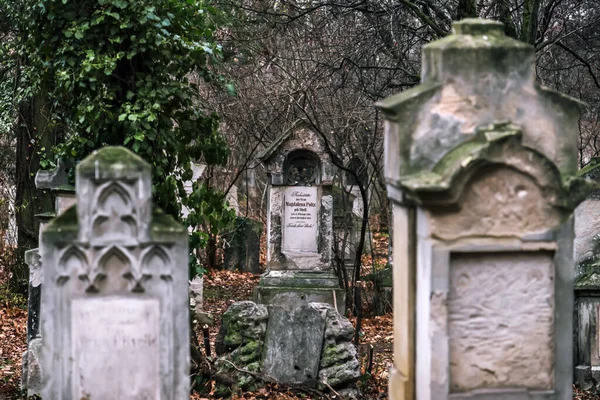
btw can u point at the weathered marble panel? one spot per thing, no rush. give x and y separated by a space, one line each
110 336
501 321
300 228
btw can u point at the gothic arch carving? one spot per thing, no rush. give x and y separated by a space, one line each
115 213
72 262
156 263
113 269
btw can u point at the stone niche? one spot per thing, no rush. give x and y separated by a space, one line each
299 222
481 166
114 309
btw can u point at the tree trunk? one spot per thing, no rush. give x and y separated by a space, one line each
506 18
466 9
32 137
530 21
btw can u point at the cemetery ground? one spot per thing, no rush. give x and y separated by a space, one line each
221 289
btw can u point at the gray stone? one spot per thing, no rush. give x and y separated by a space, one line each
243 322
196 290
240 344
50 179
293 345
115 307
31 379
242 246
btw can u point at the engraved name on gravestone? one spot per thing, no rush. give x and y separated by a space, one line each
300 226
111 336
115 321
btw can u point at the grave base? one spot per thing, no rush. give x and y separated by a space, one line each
289 289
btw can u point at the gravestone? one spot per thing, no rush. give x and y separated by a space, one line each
241 246
481 164
56 181
587 285
114 310
293 345
299 222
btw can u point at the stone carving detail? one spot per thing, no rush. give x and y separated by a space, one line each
301 168
73 263
115 213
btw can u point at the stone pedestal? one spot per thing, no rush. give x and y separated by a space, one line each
291 288
299 222
481 164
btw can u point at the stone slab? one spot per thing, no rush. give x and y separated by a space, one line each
291 297
300 228
501 321
293 345
111 336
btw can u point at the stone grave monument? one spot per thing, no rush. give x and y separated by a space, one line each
587 285
114 309
481 164
64 197
299 222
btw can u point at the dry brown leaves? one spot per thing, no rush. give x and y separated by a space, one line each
581 395
13 329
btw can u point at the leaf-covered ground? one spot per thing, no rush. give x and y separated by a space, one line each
221 289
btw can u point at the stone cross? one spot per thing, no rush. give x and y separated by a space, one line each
299 222
114 310
481 164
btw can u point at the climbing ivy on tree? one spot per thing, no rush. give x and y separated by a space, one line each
123 72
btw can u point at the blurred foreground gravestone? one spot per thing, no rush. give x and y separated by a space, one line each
481 165
114 310
299 223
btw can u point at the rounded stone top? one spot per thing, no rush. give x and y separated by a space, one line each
477 27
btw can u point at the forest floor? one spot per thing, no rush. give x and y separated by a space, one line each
221 289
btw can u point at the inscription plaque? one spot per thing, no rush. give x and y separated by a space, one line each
115 348
300 224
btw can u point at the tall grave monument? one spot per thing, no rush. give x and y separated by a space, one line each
114 310
299 222
481 164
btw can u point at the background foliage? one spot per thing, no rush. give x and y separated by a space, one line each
124 72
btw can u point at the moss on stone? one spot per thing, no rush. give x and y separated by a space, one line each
162 222
112 161
64 227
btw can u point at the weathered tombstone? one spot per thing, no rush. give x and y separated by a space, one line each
299 222
115 310
241 248
587 285
56 181
293 345
481 165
